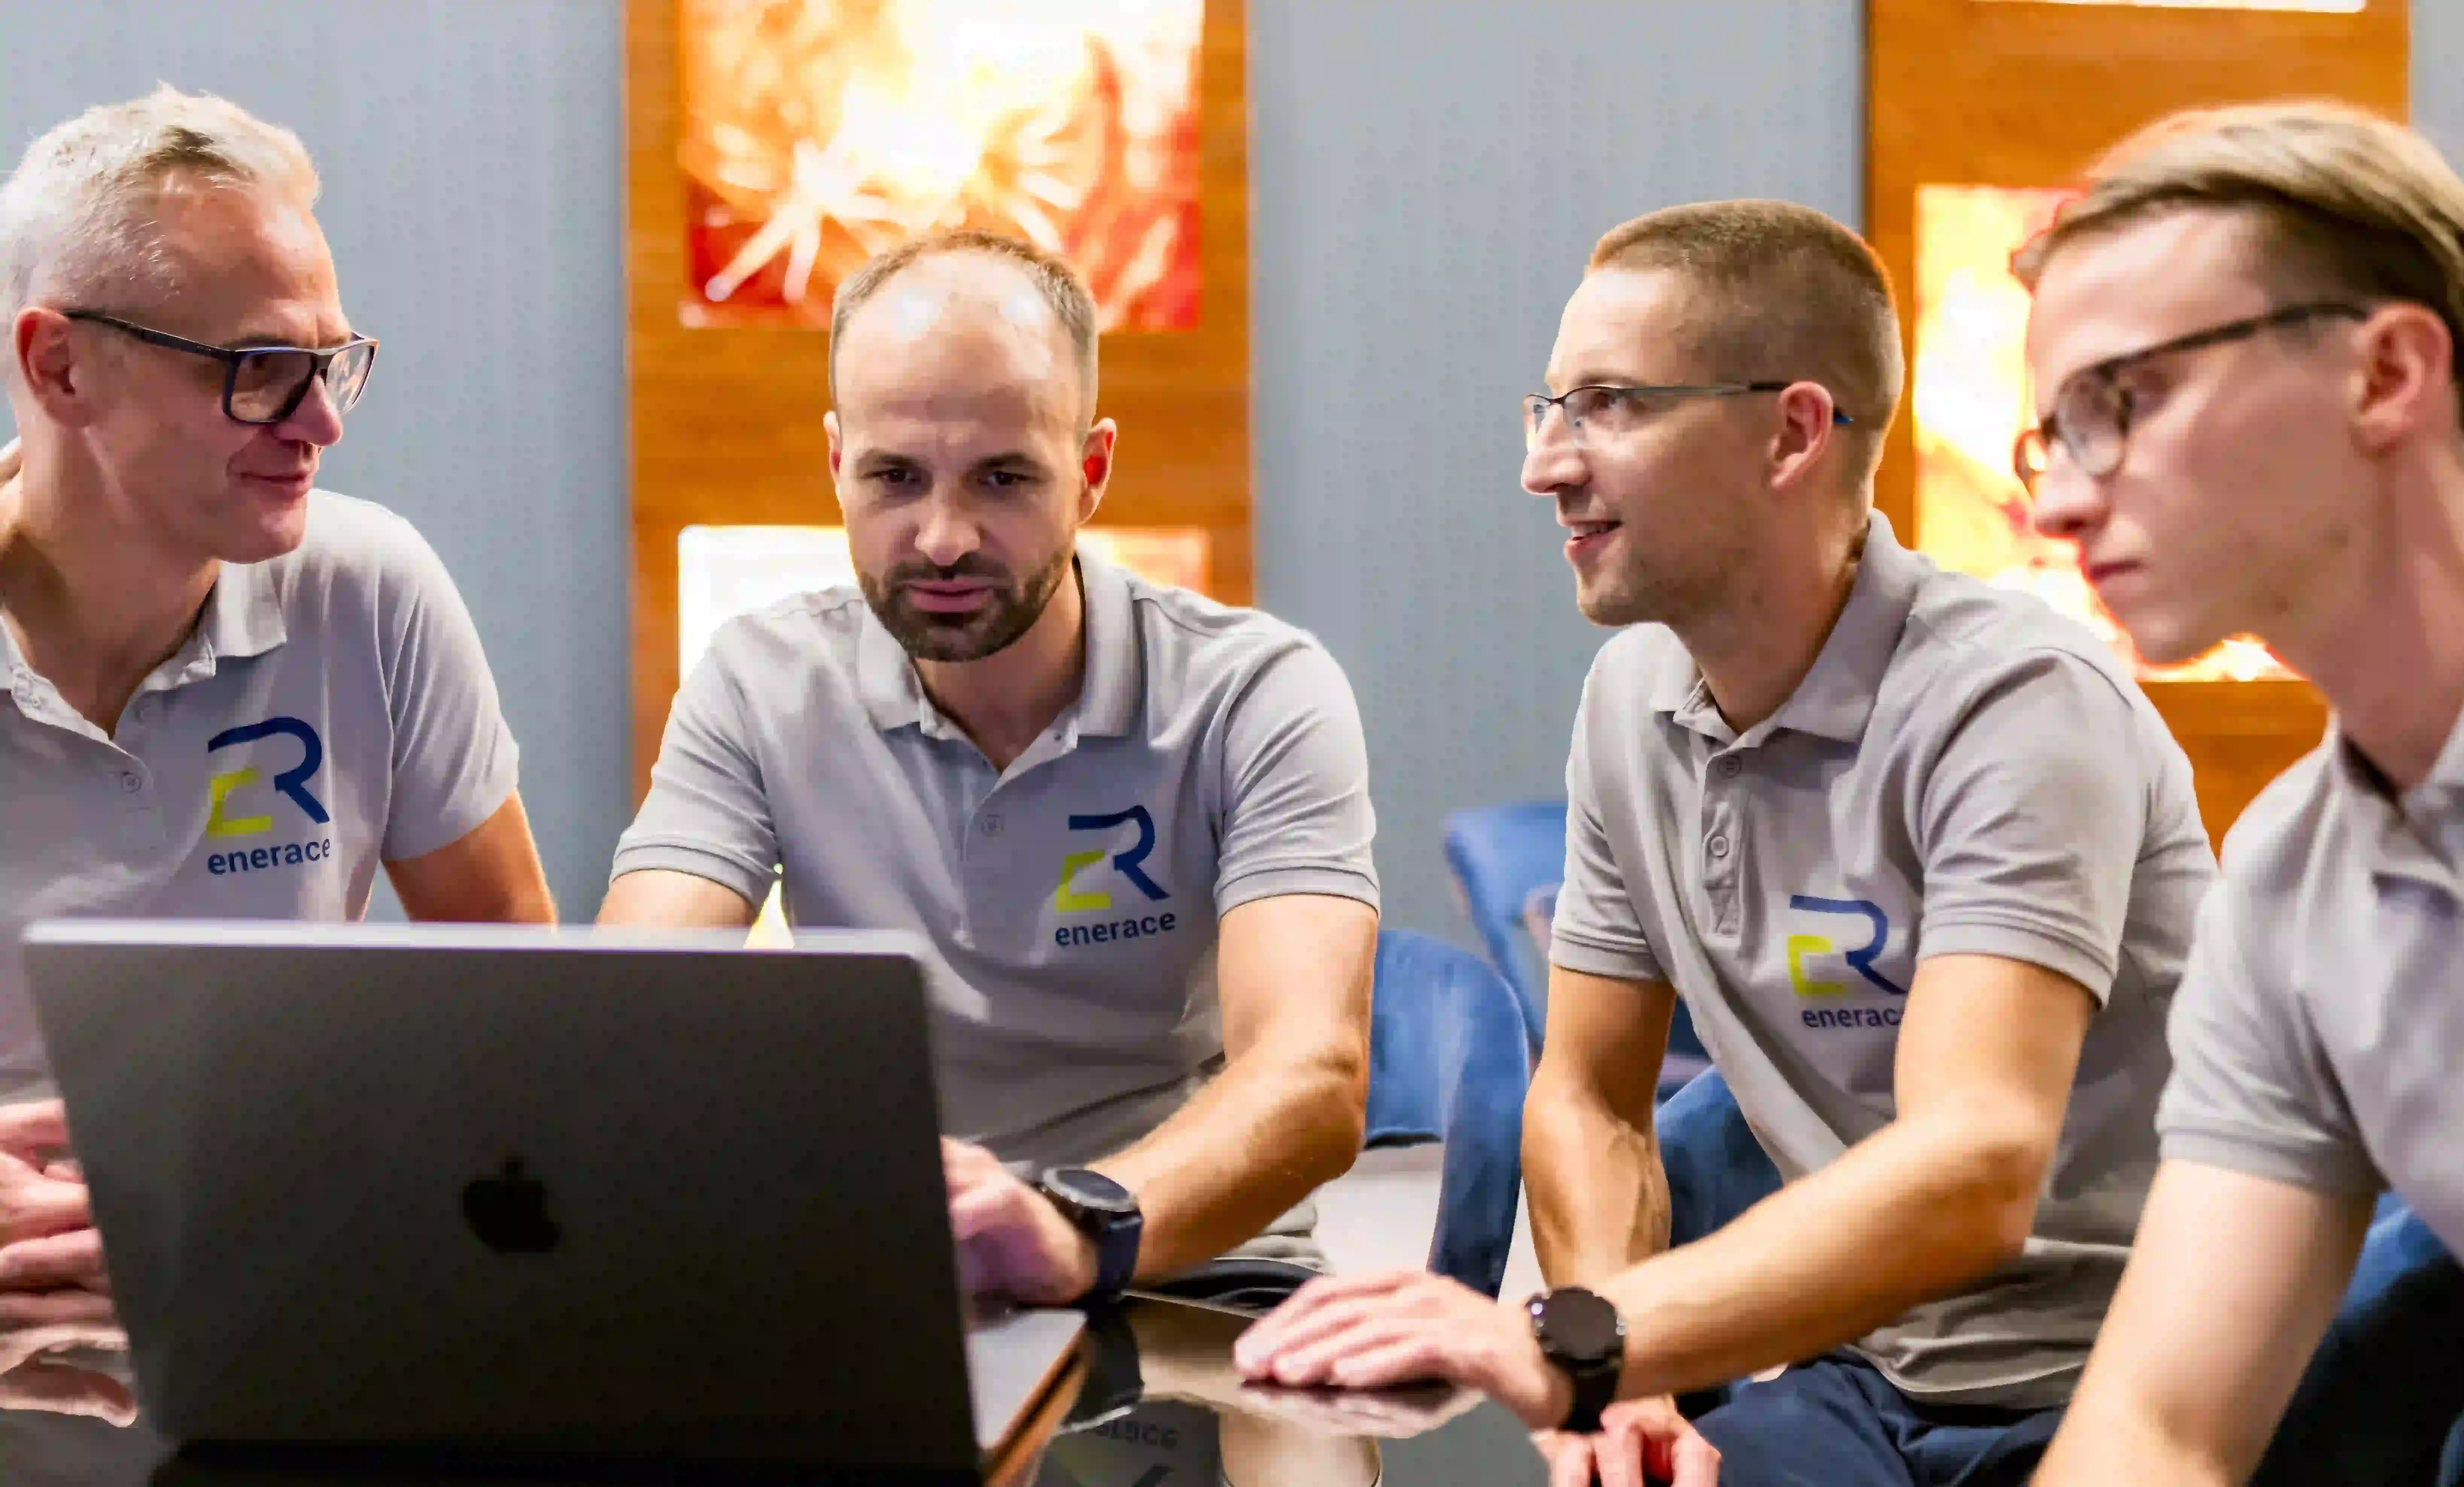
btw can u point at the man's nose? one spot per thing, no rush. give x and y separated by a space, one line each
947 534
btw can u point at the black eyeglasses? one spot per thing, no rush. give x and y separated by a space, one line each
1611 408
2092 410
265 385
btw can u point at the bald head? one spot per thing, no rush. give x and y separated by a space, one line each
958 295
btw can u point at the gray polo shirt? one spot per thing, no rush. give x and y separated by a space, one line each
1963 771
1214 756
2320 1025
330 711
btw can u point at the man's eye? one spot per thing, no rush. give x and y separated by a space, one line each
1006 479
895 478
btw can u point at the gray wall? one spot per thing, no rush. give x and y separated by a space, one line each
1427 181
473 155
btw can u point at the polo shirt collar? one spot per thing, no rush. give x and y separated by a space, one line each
242 617
244 613
1107 695
2404 832
1108 699
2446 781
1836 699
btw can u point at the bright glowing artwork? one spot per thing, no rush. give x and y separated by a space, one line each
723 571
1971 399
818 132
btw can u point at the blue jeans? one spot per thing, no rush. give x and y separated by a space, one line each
2384 1392
1836 1422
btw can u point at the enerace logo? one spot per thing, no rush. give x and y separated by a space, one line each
1859 958
225 818
1083 889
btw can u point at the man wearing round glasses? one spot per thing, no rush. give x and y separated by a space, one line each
221 693
2244 335
1920 856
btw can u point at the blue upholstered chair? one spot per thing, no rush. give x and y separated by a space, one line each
1447 1061
1500 856
1508 860
2383 1393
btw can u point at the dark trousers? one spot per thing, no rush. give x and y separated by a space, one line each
1836 1422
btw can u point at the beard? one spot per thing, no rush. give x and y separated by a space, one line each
1012 605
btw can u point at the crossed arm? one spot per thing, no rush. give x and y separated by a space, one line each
1987 1052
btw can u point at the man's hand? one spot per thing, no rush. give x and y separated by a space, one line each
1640 1441
55 1294
47 1238
1012 1241
1406 1327
35 1328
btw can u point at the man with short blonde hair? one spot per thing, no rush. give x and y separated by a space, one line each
223 693
2244 344
1747 258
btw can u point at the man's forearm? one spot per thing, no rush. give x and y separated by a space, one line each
1254 1143
1598 1193
2124 1442
1910 1215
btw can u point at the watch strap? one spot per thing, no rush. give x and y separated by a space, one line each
1595 1391
1115 1237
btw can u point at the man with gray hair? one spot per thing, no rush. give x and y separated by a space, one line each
226 694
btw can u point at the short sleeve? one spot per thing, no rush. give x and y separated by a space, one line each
1297 814
454 763
707 812
1596 930
2032 815
2250 1091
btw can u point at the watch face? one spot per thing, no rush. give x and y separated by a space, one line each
1090 1189
1576 1325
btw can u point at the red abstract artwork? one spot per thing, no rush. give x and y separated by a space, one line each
817 133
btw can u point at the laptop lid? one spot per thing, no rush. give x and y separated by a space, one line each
561 1191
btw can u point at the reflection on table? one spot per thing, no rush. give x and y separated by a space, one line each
1156 1403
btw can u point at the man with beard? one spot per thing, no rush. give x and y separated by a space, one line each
1135 825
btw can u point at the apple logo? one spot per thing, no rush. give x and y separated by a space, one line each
509 1211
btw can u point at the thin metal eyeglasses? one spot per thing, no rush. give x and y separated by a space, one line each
1595 401
2092 408
265 385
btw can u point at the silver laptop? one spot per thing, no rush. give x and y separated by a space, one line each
548 1192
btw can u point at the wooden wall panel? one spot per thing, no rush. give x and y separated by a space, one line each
727 421
2028 95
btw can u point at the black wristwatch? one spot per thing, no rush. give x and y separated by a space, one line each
1106 1212
1583 1338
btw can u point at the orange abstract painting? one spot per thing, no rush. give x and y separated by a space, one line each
817 133
1973 398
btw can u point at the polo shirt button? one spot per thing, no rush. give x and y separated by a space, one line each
1731 768
992 826
1719 846
130 782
